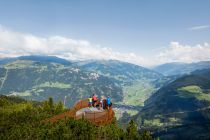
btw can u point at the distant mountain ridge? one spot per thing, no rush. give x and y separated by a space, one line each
123 71
38 58
170 69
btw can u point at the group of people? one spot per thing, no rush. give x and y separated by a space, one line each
102 103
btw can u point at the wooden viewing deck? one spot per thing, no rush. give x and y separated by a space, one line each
97 118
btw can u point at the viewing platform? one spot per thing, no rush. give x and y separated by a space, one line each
81 111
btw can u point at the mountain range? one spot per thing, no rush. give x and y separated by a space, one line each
38 77
167 100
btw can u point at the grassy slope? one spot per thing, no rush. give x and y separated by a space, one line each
193 91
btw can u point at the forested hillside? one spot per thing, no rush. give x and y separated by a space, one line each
183 105
20 119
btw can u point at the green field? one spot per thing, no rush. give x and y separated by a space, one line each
137 93
193 91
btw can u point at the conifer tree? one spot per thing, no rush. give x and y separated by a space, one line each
59 107
46 106
51 103
132 130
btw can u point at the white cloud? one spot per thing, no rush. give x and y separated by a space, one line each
14 44
199 27
184 53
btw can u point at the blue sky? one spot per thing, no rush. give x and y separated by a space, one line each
143 27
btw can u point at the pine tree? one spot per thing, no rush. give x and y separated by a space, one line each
132 130
51 103
59 107
46 106
146 135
